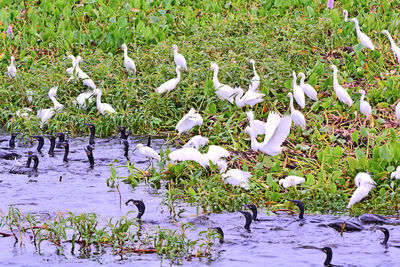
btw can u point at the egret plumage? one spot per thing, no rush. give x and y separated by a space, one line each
223 91
362 191
298 92
364 39
397 111
80 100
291 181
24 113
191 119
147 152
128 62
363 177
12 69
250 98
45 114
259 127
346 15
341 93
237 177
395 174
393 45
255 81
197 141
297 117
179 59
170 84
102 107
52 95
365 107
307 89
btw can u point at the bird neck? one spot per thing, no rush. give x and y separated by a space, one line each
239 95
149 141
328 258
175 52
52 145
253 139
28 162
98 100
335 78
66 152
392 43
40 145
92 134
254 69
386 239
55 102
294 81
362 97
302 78
125 53
357 27
36 163
292 109
215 78
346 17
178 76
12 141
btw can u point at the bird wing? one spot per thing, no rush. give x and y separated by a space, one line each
167 86
180 61
299 96
250 115
358 195
216 152
310 91
281 132
255 82
187 122
225 92
237 177
259 127
271 125
197 141
107 108
129 64
186 153
151 153
89 83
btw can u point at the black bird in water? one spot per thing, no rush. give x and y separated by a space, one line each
92 129
25 170
139 205
253 209
386 233
300 205
89 153
345 226
124 132
149 140
249 219
126 148
329 254
28 162
11 143
220 232
9 155
369 218
61 139
52 144
66 151
40 139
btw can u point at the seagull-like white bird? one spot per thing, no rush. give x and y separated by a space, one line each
307 89
147 152
298 92
197 141
179 59
191 119
364 39
297 117
171 84
223 91
255 81
341 93
291 180
102 107
237 177
128 62
362 191
365 107
395 48
250 98
12 69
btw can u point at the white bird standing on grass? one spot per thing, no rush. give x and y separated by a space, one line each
341 93
366 184
363 177
179 59
365 107
297 117
250 98
298 92
395 48
364 39
170 84
307 89
102 107
12 69
237 177
259 127
255 81
188 121
147 152
223 91
197 141
128 62
53 94
291 180
45 114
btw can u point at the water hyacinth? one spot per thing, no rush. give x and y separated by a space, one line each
330 4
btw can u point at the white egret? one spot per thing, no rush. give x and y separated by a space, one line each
12 69
364 39
223 91
128 62
102 107
171 84
79 73
255 81
363 177
297 117
307 89
346 15
395 174
24 113
250 98
197 141
259 127
398 111
237 177
291 180
179 59
362 191
45 114
81 99
274 137
341 93
191 119
147 152
298 92
52 95
365 107
395 48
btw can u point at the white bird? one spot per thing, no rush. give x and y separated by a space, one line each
395 174
255 82
76 71
297 117
341 93
346 15
291 180
362 191
179 59
250 98
12 69
307 89
398 111
171 84
298 92
365 107
363 177
259 127
45 114
395 48
102 107
188 121
223 91
364 39
274 137
52 95
128 62
81 99
237 177
24 113
147 152
197 141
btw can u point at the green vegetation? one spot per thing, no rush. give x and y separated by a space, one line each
281 35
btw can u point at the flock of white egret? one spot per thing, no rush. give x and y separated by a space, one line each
275 129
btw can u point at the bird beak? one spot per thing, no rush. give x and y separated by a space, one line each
134 150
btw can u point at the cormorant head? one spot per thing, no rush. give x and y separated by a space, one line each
249 219
220 232
15 134
300 205
253 209
140 206
50 137
121 128
91 126
89 148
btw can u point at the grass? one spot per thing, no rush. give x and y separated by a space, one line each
280 35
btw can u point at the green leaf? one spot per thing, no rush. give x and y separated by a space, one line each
364 131
384 153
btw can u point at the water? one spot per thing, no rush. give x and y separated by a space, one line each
282 241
